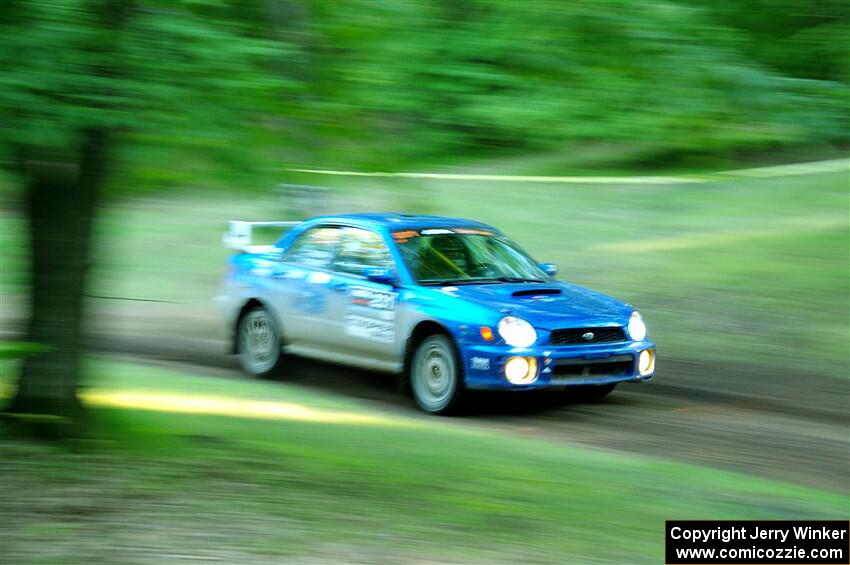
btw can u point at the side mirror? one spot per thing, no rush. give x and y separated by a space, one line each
379 275
550 269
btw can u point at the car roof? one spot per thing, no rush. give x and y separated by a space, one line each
396 221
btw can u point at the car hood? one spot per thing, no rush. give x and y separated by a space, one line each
547 305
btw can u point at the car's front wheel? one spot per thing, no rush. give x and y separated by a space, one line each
435 377
258 343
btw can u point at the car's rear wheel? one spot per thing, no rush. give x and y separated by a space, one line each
435 377
258 343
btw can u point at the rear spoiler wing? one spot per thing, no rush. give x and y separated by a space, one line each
238 235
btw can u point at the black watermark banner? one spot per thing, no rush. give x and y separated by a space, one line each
768 542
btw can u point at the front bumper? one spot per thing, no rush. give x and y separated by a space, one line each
557 366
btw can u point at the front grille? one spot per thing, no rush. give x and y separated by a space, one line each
574 336
614 366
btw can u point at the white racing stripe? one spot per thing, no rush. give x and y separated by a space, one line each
833 165
510 178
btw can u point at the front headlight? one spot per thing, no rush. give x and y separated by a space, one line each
517 332
637 329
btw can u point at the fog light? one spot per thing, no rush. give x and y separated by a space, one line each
646 362
521 370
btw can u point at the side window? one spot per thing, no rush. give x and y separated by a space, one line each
315 247
359 249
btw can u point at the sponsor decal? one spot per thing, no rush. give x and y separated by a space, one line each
473 232
371 314
370 328
403 236
373 298
311 302
479 364
406 234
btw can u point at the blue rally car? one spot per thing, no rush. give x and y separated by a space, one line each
451 304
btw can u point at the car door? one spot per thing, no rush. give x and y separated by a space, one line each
367 310
302 287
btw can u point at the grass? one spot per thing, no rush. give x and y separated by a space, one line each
151 486
747 270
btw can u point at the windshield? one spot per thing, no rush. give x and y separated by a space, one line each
464 256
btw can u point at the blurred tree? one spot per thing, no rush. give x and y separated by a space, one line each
86 86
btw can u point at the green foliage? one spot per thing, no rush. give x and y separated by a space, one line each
808 39
443 79
198 87
185 77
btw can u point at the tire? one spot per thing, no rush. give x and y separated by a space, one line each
258 343
435 377
589 393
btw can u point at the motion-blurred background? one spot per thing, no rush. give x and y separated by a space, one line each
688 156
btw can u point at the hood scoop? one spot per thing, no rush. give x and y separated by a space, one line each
536 292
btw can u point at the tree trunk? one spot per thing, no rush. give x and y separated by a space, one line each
61 201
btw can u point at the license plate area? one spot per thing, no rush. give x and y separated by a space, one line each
580 368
